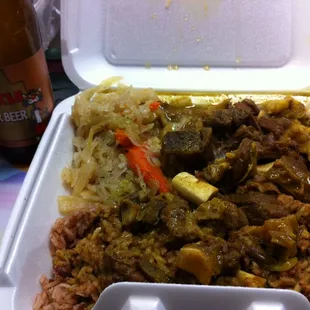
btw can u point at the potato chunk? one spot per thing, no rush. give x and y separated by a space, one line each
287 107
193 189
250 280
265 167
195 261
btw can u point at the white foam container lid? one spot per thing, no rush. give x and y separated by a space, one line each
249 45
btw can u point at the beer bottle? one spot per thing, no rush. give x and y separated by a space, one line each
26 100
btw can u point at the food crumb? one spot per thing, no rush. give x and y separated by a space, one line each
206 68
168 4
173 67
154 15
148 65
205 6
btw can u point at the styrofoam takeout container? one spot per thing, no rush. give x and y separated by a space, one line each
174 46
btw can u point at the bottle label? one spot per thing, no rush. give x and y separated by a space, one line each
26 101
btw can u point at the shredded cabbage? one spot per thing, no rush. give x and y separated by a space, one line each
99 171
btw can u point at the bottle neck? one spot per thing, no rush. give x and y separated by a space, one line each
20 35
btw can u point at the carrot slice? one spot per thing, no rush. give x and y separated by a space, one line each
122 138
138 162
154 106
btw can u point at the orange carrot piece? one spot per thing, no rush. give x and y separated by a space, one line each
138 162
122 138
154 106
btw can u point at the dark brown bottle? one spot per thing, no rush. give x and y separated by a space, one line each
26 100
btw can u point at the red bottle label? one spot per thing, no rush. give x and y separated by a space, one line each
26 101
